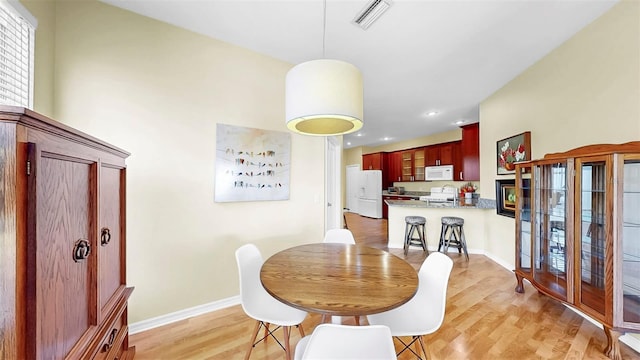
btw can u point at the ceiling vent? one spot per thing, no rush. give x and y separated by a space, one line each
371 13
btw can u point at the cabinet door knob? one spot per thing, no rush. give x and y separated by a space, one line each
81 250
461 175
112 337
105 236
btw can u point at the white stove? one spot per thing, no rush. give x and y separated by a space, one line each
441 194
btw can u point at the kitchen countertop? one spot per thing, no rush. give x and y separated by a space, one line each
458 204
408 194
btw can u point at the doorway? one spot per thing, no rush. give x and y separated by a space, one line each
333 161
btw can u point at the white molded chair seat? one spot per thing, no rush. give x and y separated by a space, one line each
424 313
258 304
342 236
331 341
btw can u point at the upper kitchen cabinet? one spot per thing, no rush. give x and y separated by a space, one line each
394 168
373 161
440 154
470 153
413 163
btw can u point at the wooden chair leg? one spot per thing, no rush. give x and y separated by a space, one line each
253 339
266 330
301 331
357 320
424 351
287 349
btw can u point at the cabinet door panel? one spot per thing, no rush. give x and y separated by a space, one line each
418 165
591 233
631 244
550 220
432 155
395 167
446 154
523 222
407 166
110 249
64 303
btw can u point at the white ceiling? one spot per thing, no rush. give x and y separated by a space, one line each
445 55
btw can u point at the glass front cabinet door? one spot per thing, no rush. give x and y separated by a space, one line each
578 233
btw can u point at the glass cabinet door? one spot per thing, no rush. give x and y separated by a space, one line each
631 242
523 219
418 165
407 166
592 229
551 219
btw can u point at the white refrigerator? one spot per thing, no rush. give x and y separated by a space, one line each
370 193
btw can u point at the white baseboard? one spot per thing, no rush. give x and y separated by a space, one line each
499 261
631 341
183 314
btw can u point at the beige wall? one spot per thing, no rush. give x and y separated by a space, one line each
586 91
158 92
45 50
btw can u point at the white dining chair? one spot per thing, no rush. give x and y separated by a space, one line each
424 313
258 304
342 236
332 341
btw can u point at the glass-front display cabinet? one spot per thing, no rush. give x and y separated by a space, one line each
578 233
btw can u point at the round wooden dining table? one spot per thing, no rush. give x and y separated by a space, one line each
339 279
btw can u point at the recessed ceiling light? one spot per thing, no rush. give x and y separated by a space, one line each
459 122
358 134
385 138
348 143
432 113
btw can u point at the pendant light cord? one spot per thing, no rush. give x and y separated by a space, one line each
324 26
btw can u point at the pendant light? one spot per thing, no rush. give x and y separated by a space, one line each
324 97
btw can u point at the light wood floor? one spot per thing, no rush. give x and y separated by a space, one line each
485 319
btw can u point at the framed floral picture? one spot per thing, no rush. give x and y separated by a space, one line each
511 150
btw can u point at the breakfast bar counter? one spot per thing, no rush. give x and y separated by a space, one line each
473 212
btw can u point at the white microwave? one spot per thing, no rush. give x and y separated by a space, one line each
438 173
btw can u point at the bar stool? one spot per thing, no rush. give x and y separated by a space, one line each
414 224
452 233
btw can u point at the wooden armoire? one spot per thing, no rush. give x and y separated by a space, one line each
62 242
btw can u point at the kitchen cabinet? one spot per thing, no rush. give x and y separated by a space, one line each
578 233
413 163
394 169
62 258
446 154
373 161
440 154
470 153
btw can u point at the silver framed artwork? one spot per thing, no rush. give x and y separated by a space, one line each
251 164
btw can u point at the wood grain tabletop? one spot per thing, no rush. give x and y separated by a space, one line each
339 279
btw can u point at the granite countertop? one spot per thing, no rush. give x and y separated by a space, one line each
408 194
458 204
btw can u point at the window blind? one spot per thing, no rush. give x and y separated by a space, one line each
17 37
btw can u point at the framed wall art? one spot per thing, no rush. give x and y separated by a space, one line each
512 150
506 197
251 164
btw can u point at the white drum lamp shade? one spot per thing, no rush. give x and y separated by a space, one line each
324 98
